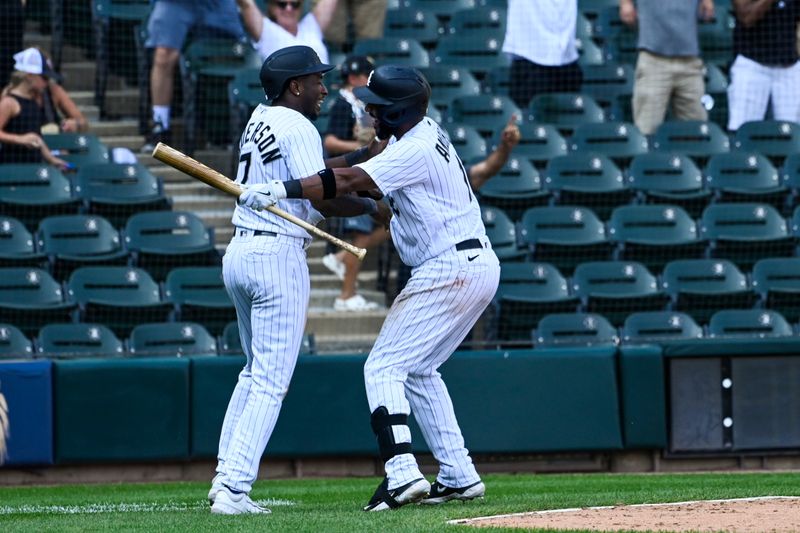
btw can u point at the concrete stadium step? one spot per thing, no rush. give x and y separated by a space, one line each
69 53
112 128
132 142
327 322
324 298
121 102
166 173
344 344
366 281
79 76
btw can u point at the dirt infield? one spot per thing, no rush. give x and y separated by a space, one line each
777 514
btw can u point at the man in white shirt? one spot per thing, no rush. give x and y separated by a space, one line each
283 25
540 37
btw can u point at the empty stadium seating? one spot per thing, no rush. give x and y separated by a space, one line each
199 295
78 341
13 343
659 326
170 339
571 329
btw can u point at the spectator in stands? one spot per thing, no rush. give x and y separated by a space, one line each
766 64
540 37
21 117
350 128
61 115
283 26
169 23
367 18
669 67
13 26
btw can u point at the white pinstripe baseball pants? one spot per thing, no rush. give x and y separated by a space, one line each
428 320
267 279
753 84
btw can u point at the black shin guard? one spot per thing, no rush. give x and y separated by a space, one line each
382 423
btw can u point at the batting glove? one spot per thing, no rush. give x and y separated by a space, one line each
262 195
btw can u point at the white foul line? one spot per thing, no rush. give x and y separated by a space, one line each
95 508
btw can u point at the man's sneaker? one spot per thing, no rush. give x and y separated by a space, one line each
354 303
411 492
157 135
441 493
226 502
332 263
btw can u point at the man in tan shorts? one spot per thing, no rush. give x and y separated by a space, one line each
669 67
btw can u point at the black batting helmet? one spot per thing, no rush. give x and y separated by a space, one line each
288 63
402 93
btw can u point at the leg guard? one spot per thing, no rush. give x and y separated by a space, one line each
382 423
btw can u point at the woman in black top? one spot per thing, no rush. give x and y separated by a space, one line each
21 117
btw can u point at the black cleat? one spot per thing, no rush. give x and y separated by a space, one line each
411 492
440 493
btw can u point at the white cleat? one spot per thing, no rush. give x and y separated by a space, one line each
226 502
441 493
215 488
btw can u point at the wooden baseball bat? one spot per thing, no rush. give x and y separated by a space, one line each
209 176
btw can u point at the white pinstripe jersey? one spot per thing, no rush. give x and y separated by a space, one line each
278 144
428 190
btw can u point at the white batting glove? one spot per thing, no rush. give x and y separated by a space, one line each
262 195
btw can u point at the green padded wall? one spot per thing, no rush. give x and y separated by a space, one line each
121 409
644 406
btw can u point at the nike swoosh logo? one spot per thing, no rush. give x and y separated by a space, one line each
471 258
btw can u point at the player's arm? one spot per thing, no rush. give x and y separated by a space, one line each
481 172
351 206
748 12
357 156
252 18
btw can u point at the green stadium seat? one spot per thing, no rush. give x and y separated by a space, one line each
78 341
245 93
231 344
162 240
486 113
514 188
528 292
777 280
444 9
30 192
574 329
119 297
696 139
77 148
659 327
619 141
701 287
481 18
790 175
17 245
434 114
745 233
118 191
468 143
448 83
72 241
608 23
617 288
565 236
654 234
114 22
622 46
14 344
419 24
566 111
716 98
31 298
479 52
609 84
716 40
588 52
745 177
171 339
590 180
584 28
207 67
497 81
591 9
199 296
538 143
748 323
502 234
776 139
664 178
395 51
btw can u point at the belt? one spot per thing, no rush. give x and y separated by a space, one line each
469 244
242 232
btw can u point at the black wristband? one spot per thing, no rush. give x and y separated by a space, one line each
356 156
293 189
328 183
370 206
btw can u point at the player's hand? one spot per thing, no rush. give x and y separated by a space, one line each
259 196
627 12
383 216
377 146
510 136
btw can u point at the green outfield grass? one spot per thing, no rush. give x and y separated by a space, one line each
326 505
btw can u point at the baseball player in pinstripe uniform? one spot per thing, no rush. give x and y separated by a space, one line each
437 229
264 267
